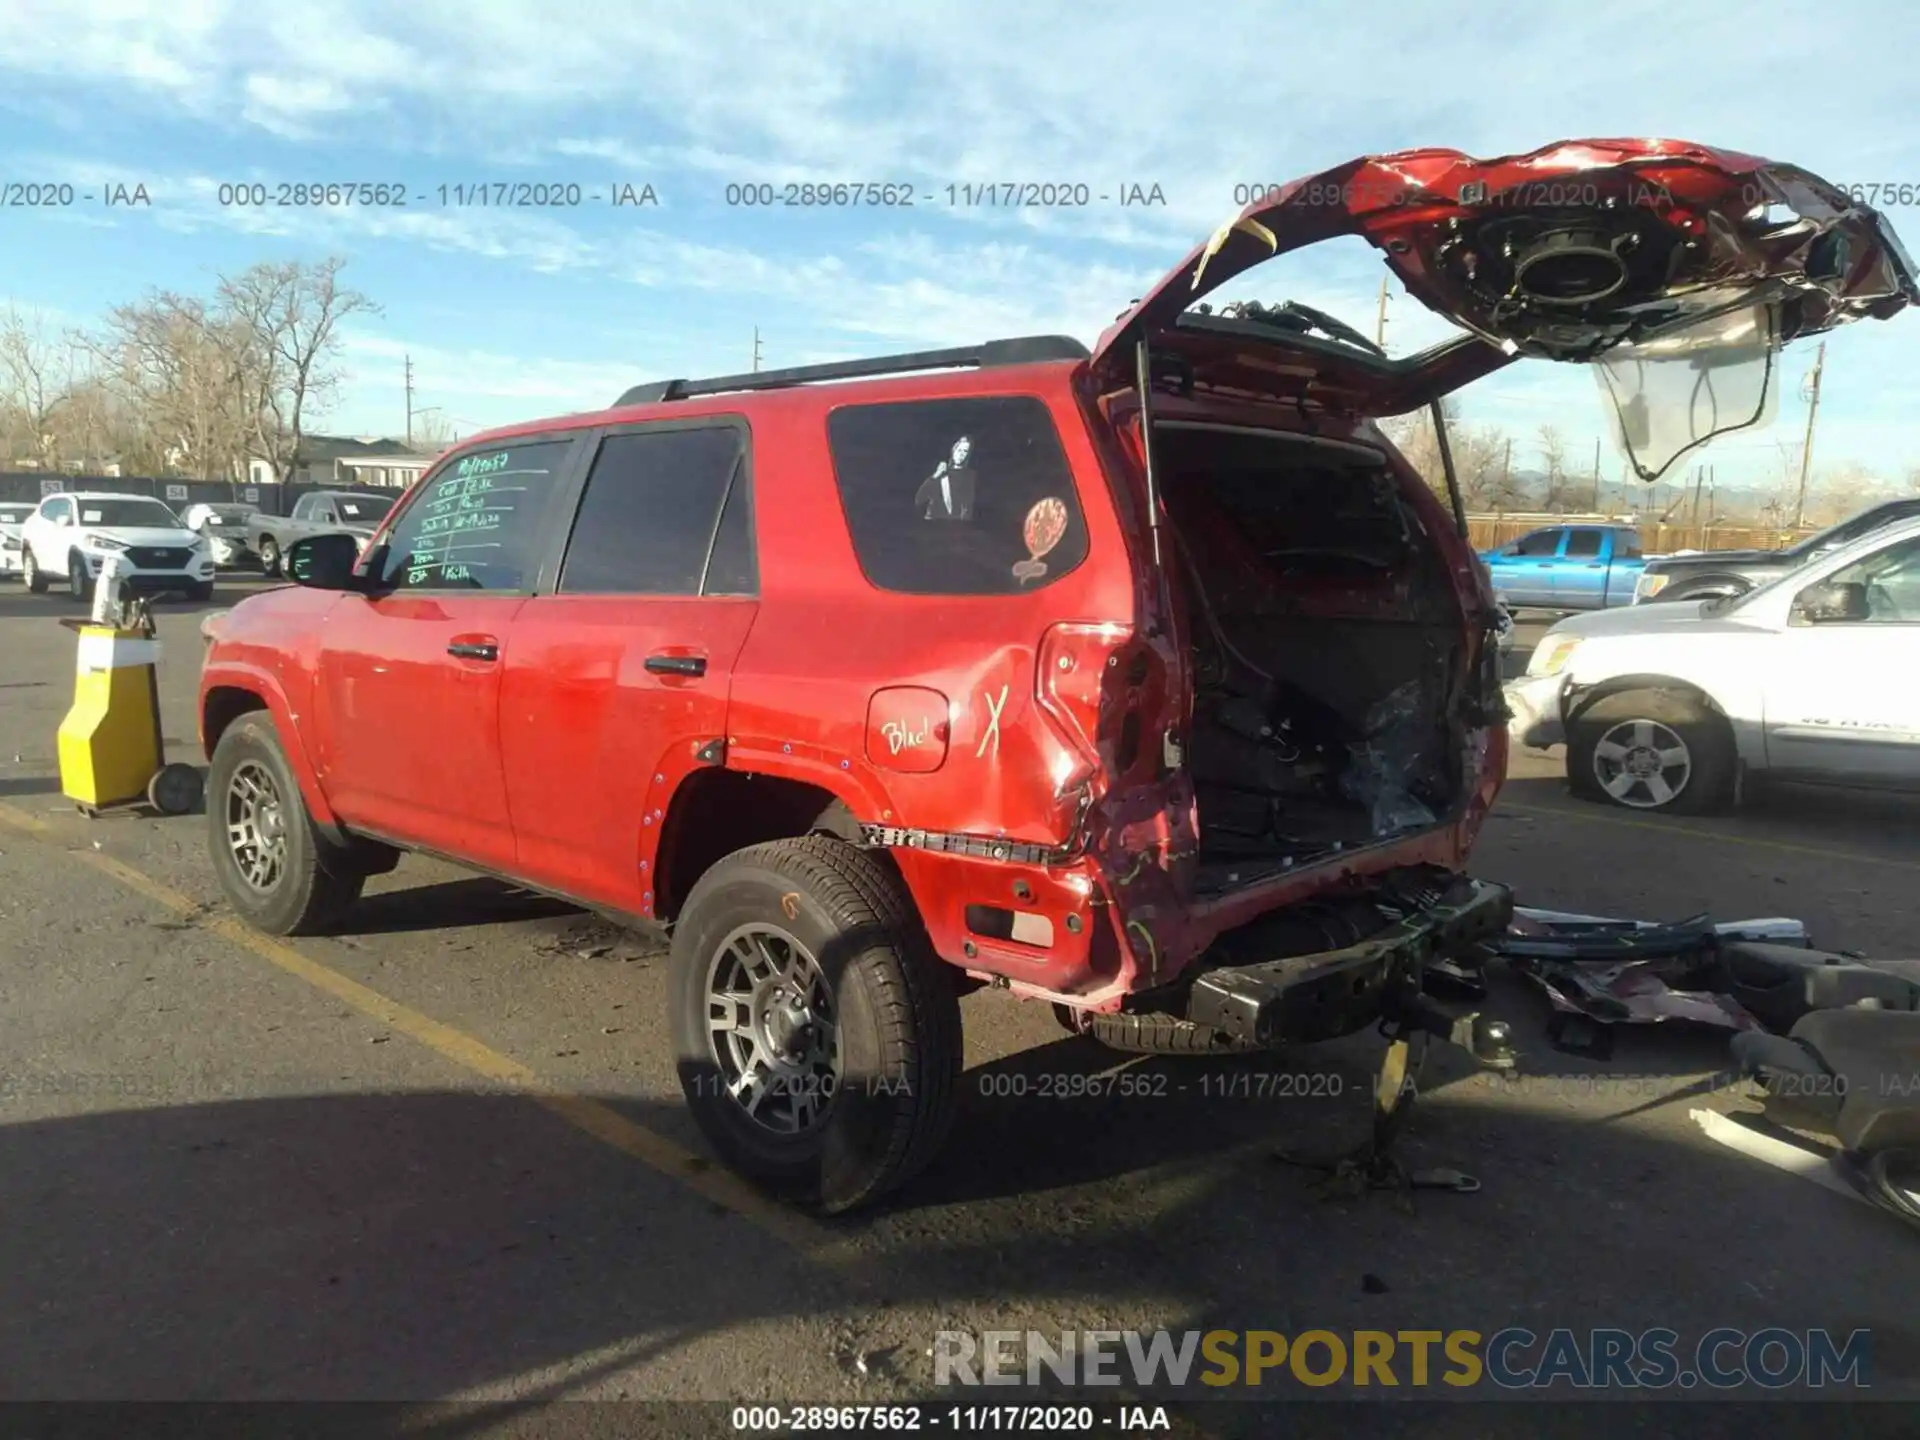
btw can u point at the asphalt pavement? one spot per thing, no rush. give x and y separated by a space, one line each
443 1156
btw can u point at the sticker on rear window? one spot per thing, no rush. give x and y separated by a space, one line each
1045 525
947 494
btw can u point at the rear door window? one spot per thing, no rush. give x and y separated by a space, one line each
1541 542
1584 544
480 523
651 521
969 496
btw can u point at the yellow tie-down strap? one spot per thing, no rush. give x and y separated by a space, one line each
104 648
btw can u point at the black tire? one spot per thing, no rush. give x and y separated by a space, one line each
200 594
313 886
76 576
269 556
894 1006
1706 736
1163 1035
31 575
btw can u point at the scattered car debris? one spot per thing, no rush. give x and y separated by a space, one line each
1600 971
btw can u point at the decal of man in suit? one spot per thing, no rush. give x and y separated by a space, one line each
947 494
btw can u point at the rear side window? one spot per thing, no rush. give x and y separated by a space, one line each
1541 542
1627 543
1583 543
477 525
651 517
968 496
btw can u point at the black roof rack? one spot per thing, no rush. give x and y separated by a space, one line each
1025 350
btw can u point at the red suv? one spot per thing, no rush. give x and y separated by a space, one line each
1149 681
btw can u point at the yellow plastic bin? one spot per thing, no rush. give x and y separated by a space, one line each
111 750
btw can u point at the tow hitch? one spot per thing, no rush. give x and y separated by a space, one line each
1441 921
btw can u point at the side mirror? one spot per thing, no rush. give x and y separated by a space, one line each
323 562
1830 603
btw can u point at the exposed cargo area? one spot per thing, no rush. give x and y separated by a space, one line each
1329 647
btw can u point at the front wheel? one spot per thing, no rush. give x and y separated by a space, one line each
1652 750
31 575
76 576
817 1034
269 556
200 593
270 862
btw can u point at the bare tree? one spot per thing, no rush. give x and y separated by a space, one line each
285 318
1839 492
432 432
1553 459
35 373
171 357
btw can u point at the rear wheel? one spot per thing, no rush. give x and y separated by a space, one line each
269 556
31 575
276 871
818 1036
1652 750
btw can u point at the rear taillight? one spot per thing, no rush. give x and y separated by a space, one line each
1073 674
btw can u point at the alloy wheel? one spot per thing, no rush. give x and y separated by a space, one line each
256 826
1642 763
771 1029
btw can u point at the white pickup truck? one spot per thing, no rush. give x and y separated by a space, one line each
1814 676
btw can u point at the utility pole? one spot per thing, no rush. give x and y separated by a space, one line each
409 402
1506 473
1380 324
1596 474
1699 476
1806 445
756 347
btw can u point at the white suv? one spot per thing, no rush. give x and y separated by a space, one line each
69 536
1813 676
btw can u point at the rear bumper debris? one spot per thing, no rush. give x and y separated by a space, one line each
1303 998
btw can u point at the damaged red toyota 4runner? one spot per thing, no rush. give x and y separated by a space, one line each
1149 681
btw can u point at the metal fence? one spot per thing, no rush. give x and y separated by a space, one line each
30 486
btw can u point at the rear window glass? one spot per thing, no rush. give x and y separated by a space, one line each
968 496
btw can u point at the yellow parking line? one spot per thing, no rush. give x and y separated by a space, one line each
1672 828
591 1117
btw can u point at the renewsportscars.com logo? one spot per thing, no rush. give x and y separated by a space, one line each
1514 1358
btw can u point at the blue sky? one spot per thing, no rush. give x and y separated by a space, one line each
511 313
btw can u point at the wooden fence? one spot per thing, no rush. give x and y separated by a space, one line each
1490 531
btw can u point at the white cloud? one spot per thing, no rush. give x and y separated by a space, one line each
997 91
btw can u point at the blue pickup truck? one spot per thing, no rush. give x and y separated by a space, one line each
1568 567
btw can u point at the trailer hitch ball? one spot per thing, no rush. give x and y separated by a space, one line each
1490 1041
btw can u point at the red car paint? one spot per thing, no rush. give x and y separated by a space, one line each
566 764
